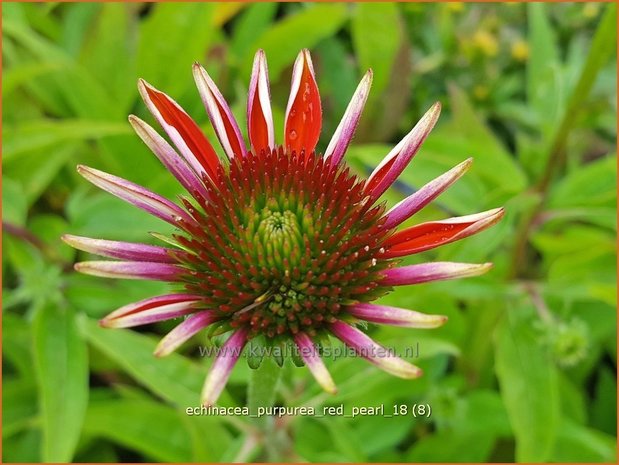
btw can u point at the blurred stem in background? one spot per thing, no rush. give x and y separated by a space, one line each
598 56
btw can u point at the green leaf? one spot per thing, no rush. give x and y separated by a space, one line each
47 134
155 430
17 344
376 35
37 170
604 406
598 56
60 361
173 378
15 207
474 138
344 439
106 53
22 73
282 41
255 21
76 87
543 91
529 387
576 443
452 447
102 215
164 38
594 184
19 399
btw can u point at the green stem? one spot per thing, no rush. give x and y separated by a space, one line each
263 384
599 54
261 392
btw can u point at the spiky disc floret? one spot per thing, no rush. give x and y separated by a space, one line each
284 242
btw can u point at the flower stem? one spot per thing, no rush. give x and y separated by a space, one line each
263 384
261 393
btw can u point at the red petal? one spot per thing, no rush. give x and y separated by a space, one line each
259 116
237 148
304 116
433 234
258 129
422 237
380 174
190 132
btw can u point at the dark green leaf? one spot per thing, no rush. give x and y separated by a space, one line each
529 387
62 371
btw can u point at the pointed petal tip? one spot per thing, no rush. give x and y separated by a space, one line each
330 389
143 88
159 351
107 323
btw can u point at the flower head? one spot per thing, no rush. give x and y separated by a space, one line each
277 242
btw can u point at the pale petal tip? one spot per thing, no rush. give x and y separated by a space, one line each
143 88
484 267
260 56
107 323
330 388
207 403
160 351
431 321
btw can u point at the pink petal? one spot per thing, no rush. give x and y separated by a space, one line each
346 129
394 316
174 163
304 111
227 357
120 250
221 117
192 325
433 234
136 195
435 271
374 353
394 163
415 202
314 362
183 130
131 270
259 117
152 310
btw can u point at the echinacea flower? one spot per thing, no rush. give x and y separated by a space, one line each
277 241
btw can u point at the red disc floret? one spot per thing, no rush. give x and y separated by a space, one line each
285 242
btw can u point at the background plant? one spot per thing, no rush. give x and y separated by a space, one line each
526 367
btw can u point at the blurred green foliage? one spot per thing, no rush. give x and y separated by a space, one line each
525 370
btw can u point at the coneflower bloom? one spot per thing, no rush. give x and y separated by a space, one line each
277 241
